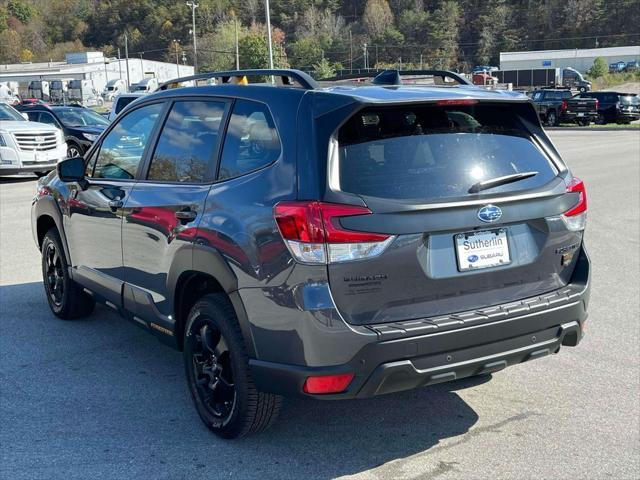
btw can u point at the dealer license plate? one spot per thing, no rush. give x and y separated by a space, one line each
484 249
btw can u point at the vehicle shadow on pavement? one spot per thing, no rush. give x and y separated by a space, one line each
81 396
18 179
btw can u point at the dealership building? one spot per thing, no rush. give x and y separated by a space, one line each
93 66
580 58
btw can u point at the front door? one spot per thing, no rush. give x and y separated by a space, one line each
94 224
163 210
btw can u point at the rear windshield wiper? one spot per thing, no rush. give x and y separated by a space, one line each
496 182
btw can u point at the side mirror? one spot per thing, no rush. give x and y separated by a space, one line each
25 116
71 170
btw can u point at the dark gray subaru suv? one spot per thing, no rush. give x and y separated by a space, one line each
335 242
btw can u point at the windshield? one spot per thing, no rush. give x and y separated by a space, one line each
426 152
630 99
80 117
9 114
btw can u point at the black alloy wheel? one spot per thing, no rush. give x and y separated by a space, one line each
54 274
212 370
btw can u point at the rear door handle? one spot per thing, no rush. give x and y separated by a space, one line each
115 204
186 216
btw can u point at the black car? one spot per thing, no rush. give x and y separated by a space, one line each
81 126
615 107
332 243
556 106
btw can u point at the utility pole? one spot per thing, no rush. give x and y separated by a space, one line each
193 6
366 67
235 22
350 52
269 35
119 63
106 74
175 44
420 61
126 54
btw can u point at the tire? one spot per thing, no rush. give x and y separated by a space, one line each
600 120
74 150
66 298
583 123
552 118
218 376
582 89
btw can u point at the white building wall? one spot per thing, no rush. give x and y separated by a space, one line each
580 59
98 72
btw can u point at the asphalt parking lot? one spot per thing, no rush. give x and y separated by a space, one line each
100 398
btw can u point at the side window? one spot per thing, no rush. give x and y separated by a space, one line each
33 116
188 144
46 117
251 142
123 147
123 102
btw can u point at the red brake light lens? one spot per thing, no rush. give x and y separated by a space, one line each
462 101
564 105
313 233
577 185
328 383
318 222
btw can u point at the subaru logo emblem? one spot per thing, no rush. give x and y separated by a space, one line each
472 258
489 213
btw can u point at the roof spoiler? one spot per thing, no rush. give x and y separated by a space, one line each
394 77
287 76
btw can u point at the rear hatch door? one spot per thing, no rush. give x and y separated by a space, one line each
462 240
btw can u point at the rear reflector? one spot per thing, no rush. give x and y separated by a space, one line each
313 233
328 384
576 217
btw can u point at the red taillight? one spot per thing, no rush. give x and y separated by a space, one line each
577 185
328 383
462 101
576 218
313 232
564 105
597 104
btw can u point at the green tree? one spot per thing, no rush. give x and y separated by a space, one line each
254 51
22 11
443 35
599 68
377 18
323 69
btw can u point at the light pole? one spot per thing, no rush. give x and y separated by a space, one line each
269 35
126 54
193 6
175 44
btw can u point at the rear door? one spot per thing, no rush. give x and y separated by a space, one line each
425 171
163 210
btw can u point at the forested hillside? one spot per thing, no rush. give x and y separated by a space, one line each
315 34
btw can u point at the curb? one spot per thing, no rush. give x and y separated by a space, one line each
593 129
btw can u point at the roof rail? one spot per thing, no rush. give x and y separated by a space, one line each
394 77
287 77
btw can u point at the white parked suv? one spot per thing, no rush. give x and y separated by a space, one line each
28 146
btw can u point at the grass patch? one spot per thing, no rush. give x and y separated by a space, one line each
612 79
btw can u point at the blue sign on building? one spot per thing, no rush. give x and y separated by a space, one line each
546 63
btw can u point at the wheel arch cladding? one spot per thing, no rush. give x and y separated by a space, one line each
192 285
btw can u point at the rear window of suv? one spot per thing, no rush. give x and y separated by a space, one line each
430 152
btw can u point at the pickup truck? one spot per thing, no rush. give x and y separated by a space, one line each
558 105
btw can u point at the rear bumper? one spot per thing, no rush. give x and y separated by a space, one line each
402 357
573 116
